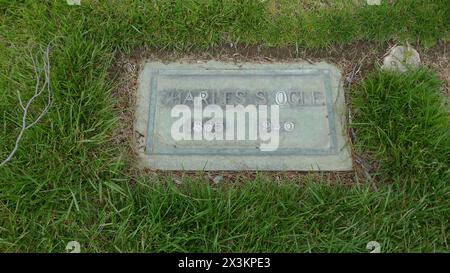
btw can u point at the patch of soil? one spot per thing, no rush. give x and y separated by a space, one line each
341 178
355 61
438 58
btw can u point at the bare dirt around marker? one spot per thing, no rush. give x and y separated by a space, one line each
354 60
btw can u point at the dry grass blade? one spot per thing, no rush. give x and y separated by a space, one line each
38 91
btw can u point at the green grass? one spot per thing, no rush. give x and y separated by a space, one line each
67 182
402 123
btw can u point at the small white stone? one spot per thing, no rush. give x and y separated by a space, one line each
400 58
373 2
218 179
74 2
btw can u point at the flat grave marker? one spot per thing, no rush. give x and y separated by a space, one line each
291 117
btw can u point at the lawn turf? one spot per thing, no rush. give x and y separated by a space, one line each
67 182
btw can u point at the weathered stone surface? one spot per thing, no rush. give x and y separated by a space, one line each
311 110
74 2
401 58
373 2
